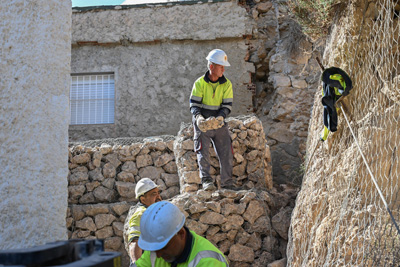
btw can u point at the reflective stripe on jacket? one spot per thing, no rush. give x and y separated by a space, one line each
203 253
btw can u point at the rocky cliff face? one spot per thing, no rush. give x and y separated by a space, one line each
352 181
285 81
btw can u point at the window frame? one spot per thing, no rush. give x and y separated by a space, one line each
87 120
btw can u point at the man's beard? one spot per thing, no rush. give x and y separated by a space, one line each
170 259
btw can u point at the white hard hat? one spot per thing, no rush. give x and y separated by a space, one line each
143 186
159 223
219 57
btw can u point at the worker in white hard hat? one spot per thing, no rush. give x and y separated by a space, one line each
167 242
210 103
148 193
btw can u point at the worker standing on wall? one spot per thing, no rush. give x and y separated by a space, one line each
148 193
167 242
210 103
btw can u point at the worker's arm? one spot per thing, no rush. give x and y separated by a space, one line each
196 99
227 101
135 252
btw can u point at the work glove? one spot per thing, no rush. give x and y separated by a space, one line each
201 123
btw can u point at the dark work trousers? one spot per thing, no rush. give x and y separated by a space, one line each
223 148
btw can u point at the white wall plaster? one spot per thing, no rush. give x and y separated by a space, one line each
204 21
34 85
155 70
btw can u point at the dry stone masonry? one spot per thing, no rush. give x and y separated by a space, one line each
99 221
249 226
252 159
103 175
252 221
108 174
102 179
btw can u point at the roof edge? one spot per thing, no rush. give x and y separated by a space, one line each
121 7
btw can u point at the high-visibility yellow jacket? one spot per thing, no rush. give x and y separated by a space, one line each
202 254
211 99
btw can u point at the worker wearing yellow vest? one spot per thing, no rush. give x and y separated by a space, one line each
167 242
148 193
210 103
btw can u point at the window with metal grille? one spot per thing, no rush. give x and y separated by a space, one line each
92 98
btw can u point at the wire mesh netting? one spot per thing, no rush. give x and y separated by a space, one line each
343 211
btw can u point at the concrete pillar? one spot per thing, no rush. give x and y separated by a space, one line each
35 56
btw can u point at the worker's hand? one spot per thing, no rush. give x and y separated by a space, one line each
220 121
200 122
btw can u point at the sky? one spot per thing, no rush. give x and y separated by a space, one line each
83 3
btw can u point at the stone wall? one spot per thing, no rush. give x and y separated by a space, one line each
102 180
103 175
286 79
252 159
348 208
250 226
35 54
108 174
100 221
156 61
